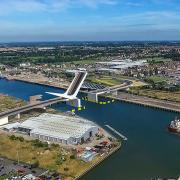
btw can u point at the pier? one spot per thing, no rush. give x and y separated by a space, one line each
116 132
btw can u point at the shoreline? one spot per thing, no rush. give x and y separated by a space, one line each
119 99
101 159
99 162
153 103
38 83
87 170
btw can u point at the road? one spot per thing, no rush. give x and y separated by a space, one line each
31 106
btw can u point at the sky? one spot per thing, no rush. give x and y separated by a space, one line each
89 20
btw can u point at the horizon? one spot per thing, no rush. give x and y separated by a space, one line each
89 20
95 41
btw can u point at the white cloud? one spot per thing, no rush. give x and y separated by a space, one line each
95 3
134 4
152 17
11 6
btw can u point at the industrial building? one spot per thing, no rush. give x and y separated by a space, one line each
120 64
59 128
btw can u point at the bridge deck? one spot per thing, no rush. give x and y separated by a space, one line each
111 89
30 107
71 93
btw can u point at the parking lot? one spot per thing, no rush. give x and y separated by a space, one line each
9 167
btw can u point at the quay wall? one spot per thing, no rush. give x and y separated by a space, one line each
151 105
137 102
98 163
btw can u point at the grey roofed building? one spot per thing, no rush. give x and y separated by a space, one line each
59 128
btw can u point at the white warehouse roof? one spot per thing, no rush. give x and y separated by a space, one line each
58 126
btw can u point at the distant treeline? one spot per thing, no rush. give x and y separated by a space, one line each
173 54
48 56
90 43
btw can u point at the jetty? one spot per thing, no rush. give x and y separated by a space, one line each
116 132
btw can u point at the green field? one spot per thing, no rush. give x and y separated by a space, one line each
51 157
158 60
83 62
105 80
8 102
158 94
156 79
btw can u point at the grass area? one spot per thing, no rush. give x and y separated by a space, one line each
86 61
138 83
111 81
158 60
8 102
156 79
105 80
158 94
49 157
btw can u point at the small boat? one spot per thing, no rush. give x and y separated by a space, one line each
174 126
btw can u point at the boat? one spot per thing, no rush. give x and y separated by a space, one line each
165 178
174 126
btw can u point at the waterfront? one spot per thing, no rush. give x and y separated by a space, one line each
150 150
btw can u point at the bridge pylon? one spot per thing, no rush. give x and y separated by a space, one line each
93 97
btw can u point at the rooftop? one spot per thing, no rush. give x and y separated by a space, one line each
123 64
58 126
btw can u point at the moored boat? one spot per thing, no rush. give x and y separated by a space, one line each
174 126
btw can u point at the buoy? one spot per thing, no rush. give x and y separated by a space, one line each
79 108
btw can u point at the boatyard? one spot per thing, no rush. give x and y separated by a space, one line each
70 161
78 143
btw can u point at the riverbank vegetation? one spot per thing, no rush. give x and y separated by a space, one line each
52 157
158 94
8 102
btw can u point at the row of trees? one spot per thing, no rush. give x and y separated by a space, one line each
173 54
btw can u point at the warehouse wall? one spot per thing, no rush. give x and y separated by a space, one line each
94 131
71 140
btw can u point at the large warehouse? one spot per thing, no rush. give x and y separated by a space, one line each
59 128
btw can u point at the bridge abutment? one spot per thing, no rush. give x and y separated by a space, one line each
4 120
74 103
115 93
93 97
18 116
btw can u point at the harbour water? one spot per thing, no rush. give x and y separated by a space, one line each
150 150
